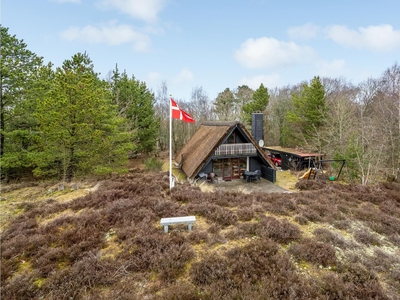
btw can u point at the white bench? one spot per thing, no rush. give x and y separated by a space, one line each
178 220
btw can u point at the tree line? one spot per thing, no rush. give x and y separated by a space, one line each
67 121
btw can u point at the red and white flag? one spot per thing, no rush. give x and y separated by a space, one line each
178 113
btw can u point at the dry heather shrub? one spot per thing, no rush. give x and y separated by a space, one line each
327 236
161 208
375 198
243 230
245 213
243 271
216 239
300 199
382 261
309 214
332 286
377 220
214 213
302 220
393 195
179 291
257 259
219 199
391 208
342 224
21 224
14 247
257 271
91 237
197 237
171 266
286 285
392 186
277 205
153 250
281 231
186 194
87 273
367 238
314 251
214 228
49 260
335 286
20 286
128 287
308 185
325 209
210 269
395 274
368 212
363 283
395 239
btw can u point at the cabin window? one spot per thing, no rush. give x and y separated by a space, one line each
232 138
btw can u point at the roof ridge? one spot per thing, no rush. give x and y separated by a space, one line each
220 123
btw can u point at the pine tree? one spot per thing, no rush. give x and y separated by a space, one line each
260 100
80 130
308 114
136 103
19 70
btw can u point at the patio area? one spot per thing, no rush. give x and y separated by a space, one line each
243 186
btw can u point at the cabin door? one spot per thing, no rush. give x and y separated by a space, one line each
231 168
226 169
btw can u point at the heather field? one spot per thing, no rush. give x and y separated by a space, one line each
326 241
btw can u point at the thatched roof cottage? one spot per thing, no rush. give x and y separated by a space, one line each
226 149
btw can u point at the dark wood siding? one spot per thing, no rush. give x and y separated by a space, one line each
207 168
257 126
254 164
268 173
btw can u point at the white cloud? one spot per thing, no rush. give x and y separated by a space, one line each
269 81
184 75
306 31
335 68
110 34
378 38
146 10
269 52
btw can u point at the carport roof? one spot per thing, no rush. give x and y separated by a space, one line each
293 151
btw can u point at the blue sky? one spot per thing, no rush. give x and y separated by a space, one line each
214 44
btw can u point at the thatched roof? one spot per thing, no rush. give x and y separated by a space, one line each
205 141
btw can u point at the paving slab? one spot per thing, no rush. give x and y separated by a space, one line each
243 186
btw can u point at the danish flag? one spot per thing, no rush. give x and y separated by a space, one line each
178 113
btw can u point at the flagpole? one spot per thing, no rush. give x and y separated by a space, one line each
183 116
170 143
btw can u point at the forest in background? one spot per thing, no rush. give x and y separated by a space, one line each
65 121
